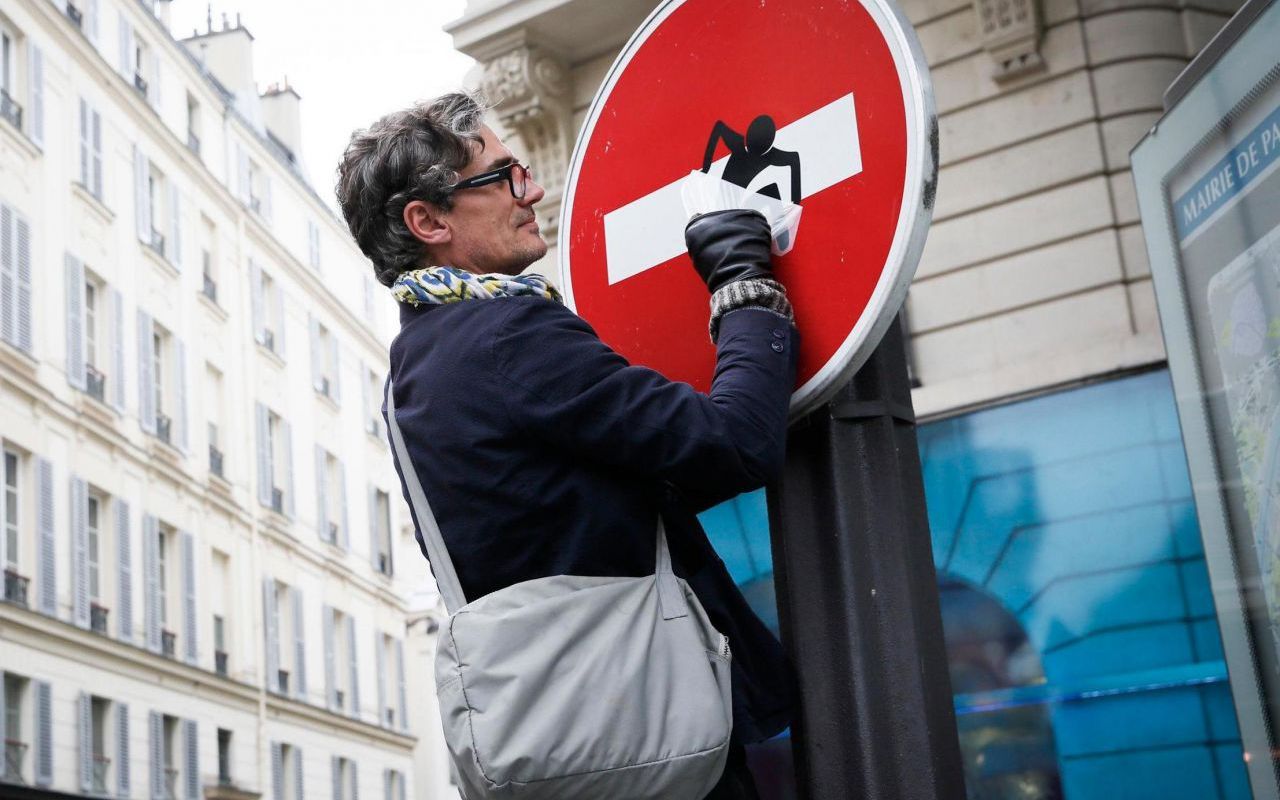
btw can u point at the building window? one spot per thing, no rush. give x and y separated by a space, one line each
382 561
269 312
10 108
277 450
16 743
325 360
160 374
219 589
208 260
100 762
373 402
141 72
94 533
214 411
15 583
290 772
193 124
224 758
99 329
344 779
169 757
331 498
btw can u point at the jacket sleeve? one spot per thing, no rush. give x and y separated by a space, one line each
563 385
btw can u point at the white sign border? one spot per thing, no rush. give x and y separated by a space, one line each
919 189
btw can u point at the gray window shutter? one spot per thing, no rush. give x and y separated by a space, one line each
404 709
386 784
372 498
23 340
290 507
180 392
37 94
122 750
79 552
264 454
158 790
277 771
126 48
146 373
84 731
86 139
189 596
48 595
299 644
93 21
96 186
353 692
151 580
191 760
124 559
255 294
335 770
298 793
313 327
355 780
330 689
117 350
322 510
342 494
278 299
44 734
380 672
75 322
271 626
401 786
175 227
8 276
335 380
156 79
141 195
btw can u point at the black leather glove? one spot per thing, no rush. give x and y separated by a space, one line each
728 246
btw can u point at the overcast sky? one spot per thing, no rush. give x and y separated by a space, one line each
350 61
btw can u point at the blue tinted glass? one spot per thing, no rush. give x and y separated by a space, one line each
1084 650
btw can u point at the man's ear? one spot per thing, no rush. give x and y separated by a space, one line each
427 223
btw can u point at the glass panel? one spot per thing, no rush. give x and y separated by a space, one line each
11 509
1080 628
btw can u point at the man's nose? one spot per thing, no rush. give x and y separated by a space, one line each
533 193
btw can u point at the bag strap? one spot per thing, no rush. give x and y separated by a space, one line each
671 598
441 565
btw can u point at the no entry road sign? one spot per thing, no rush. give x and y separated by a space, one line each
837 92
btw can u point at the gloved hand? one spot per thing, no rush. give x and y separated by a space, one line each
728 246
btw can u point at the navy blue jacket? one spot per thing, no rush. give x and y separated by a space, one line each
543 452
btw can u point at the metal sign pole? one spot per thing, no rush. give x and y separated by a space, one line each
858 598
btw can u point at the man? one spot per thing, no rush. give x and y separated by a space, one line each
540 450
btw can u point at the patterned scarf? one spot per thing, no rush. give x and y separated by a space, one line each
441 285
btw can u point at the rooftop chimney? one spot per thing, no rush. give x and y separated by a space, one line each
228 56
280 115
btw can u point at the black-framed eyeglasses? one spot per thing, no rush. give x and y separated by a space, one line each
517 175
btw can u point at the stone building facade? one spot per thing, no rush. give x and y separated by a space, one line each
206 562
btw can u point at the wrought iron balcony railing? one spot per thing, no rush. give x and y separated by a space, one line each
269 339
282 678
157 242
384 563
15 753
140 83
164 428
98 618
339 699
334 530
277 500
220 662
193 143
170 783
255 204
10 110
76 16
95 383
169 644
325 386
15 588
215 461
101 769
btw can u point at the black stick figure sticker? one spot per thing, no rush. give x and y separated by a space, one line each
751 155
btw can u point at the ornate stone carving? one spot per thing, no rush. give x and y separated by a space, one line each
530 92
1010 32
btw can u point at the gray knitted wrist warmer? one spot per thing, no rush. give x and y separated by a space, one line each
752 293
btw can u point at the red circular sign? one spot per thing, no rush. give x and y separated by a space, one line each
846 90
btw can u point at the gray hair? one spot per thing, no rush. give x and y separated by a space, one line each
414 154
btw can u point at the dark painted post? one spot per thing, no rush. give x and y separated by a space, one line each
858 598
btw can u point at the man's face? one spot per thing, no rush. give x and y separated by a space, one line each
491 231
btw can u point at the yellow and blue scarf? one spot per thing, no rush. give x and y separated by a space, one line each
441 285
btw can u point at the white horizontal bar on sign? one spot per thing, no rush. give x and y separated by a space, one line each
650 230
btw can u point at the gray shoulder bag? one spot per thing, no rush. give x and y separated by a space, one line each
577 688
